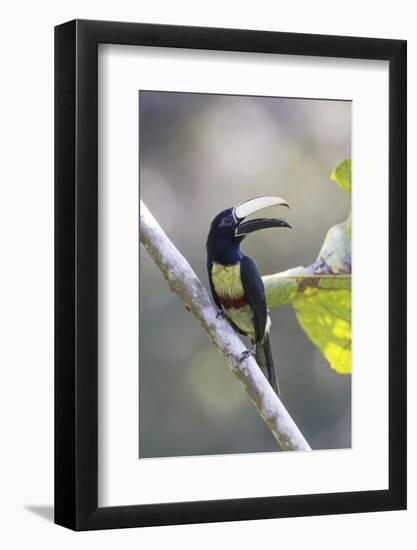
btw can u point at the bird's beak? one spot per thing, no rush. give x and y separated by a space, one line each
244 209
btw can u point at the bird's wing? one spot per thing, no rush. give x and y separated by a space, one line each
213 290
255 293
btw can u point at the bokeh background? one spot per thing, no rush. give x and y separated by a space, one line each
200 154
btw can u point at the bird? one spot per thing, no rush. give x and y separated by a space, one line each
235 281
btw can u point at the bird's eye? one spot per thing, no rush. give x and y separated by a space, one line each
228 220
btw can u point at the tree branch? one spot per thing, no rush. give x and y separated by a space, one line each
185 283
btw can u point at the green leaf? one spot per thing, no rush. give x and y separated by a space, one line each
342 175
283 288
326 318
322 304
323 308
321 293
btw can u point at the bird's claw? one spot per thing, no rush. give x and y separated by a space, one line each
220 314
247 353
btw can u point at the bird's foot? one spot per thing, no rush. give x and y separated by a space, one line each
220 314
248 353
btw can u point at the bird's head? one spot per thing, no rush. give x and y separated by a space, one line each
229 227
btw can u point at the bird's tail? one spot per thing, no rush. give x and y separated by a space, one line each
264 359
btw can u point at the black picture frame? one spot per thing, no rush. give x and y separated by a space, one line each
76 272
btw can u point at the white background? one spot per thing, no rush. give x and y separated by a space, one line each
123 479
26 300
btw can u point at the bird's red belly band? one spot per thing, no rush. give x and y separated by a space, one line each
235 302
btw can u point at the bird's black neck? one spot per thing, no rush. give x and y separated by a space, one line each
223 252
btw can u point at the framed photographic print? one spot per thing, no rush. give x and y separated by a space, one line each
230 337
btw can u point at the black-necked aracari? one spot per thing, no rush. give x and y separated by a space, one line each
235 281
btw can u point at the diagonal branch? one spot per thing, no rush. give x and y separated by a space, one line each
185 283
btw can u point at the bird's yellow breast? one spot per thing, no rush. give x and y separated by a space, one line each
226 280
